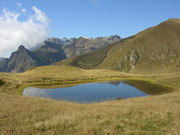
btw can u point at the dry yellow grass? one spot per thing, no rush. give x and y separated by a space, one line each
54 75
68 74
150 116
20 115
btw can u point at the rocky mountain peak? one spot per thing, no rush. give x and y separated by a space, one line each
21 50
88 38
21 47
53 50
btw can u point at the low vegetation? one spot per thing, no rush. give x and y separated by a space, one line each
156 115
60 75
91 60
1 82
28 115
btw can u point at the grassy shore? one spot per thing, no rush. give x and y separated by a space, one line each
156 115
60 75
153 115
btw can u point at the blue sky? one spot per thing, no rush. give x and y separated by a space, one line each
92 18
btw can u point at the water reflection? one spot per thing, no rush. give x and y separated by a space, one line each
92 92
36 92
96 92
115 83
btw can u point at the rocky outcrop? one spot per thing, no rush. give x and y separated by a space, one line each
3 64
78 46
51 51
128 61
22 60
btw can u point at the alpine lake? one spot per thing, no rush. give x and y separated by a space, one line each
98 91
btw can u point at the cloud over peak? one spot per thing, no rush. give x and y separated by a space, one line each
14 31
39 15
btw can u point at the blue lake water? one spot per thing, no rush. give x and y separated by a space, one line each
88 93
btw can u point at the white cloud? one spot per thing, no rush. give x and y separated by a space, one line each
14 32
39 15
23 10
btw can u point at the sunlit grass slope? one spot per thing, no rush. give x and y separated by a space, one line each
155 50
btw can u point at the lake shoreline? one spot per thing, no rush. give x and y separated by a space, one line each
86 81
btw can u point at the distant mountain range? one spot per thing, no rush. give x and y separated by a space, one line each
154 50
53 50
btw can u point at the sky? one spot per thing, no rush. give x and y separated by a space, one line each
29 22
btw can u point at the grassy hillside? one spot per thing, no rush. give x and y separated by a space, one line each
155 50
93 59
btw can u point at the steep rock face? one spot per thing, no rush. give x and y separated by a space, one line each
75 46
3 64
21 60
85 45
51 51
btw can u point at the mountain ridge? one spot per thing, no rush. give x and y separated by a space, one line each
154 50
53 50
